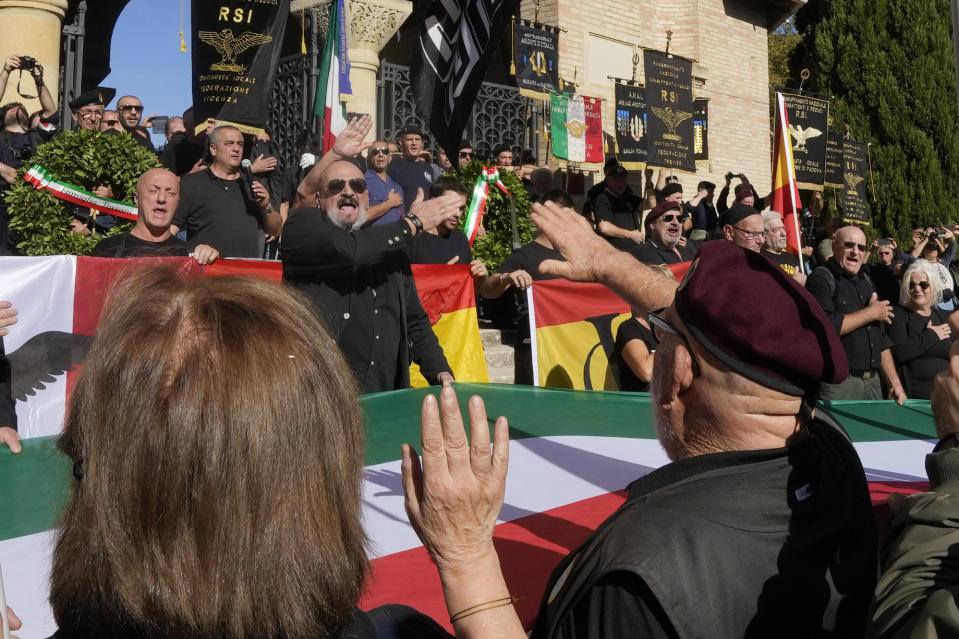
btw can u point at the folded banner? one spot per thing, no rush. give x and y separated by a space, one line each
855 198
701 129
235 53
833 161
577 127
572 455
631 124
808 128
669 98
38 177
60 299
536 54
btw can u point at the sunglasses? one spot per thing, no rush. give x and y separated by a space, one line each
673 217
357 185
849 245
131 107
466 154
380 150
111 122
923 285
660 325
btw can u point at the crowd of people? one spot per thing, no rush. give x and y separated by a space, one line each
761 525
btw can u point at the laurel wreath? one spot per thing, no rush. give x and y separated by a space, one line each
40 223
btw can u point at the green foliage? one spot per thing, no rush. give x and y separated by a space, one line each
889 66
40 222
497 244
780 47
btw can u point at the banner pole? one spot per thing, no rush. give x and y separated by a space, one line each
872 182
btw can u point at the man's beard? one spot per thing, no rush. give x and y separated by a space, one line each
334 215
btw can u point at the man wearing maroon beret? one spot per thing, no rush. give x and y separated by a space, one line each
762 524
664 232
849 299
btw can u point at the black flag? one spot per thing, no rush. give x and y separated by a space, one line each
701 129
855 205
631 125
536 54
808 129
455 42
669 99
833 161
235 52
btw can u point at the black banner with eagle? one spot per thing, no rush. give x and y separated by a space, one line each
808 128
236 48
669 100
855 163
536 55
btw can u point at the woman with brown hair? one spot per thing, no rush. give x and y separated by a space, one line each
218 457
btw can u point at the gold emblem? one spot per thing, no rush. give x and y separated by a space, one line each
230 46
852 181
538 62
576 128
671 119
800 135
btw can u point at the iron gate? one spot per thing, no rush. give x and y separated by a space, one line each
291 109
500 115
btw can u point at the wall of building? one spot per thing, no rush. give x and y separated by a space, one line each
727 38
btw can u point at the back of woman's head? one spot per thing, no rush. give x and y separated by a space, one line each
218 460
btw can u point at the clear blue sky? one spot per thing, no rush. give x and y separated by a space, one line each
145 57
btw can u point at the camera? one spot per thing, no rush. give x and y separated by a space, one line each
27 63
933 234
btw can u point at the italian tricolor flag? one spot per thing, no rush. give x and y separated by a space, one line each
577 127
328 105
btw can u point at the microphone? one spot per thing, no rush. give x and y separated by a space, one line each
248 174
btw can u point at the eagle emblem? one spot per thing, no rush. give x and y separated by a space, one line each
800 135
576 128
538 63
671 119
229 46
852 181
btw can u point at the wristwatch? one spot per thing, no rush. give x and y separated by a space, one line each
415 220
951 440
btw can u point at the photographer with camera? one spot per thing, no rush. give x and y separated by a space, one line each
937 249
18 141
744 193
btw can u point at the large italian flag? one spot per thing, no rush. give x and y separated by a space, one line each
328 105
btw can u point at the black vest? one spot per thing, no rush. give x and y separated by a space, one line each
775 543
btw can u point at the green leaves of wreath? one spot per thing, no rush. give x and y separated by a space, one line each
494 247
40 223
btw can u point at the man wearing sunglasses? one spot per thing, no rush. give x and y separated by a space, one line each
360 278
130 110
111 122
466 154
386 195
664 230
859 317
762 522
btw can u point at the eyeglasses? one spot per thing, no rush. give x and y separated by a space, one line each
658 322
674 217
357 185
380 150
923 285
466 154
849 245
752 235
90 113
130 107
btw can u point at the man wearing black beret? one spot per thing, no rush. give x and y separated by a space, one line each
743 225
761 526
87 108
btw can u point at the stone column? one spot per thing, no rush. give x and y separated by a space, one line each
370 25
32 27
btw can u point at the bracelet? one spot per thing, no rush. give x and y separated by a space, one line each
487 605
415 220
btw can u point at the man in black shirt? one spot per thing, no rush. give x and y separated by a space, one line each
446 244
859 318
616 211
774 246
360 278
215 206
156 197
130 110
664 230
408 171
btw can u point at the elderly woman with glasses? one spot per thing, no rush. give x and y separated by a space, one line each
920 332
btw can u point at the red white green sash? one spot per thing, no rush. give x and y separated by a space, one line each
38 177
474 216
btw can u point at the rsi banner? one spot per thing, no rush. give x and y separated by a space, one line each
60 299
669 98
808 130
855 203
536 53
631 116
576 123
235 53
834 161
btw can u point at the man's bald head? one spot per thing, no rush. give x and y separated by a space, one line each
344 195
157 196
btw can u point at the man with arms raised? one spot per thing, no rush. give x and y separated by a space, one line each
858 317
216 208
664 232
760 527
156 197
360 278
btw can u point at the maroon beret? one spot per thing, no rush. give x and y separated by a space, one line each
756 319
736 214
669 189
743 191
659 210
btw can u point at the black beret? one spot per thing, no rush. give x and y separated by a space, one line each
737 213
669 189
100 95
659 210
747 312
618 171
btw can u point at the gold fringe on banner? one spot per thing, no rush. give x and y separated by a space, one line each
182 39
303 32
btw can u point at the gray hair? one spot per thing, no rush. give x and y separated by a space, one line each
769 216
921 266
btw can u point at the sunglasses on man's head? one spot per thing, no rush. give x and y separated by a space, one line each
131 107
358 185
923 285
380 150
849 245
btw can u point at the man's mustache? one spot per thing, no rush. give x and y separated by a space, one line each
348 200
